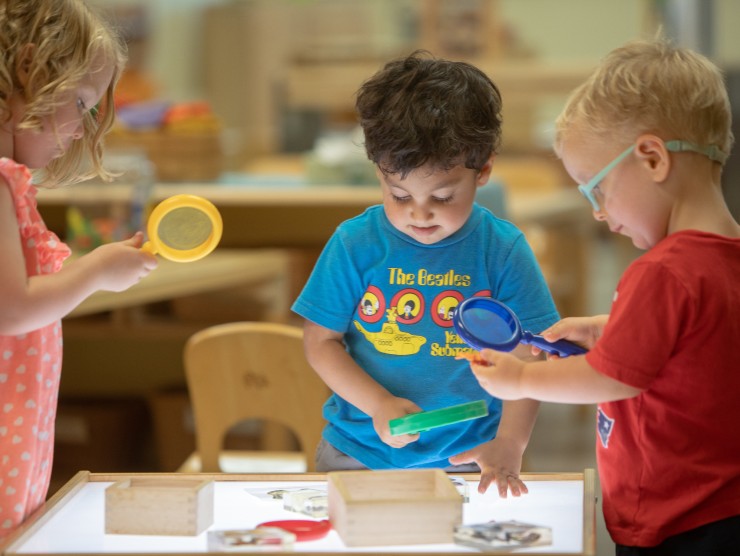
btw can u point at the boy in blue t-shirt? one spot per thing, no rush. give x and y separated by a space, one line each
379 302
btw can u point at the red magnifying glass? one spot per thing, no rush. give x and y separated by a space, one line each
303 529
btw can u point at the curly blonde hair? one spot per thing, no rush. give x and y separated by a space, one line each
68 39
651 86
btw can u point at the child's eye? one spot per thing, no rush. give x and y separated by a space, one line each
443 199
81 105
398 199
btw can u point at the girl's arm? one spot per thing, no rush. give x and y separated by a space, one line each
28 303
326 353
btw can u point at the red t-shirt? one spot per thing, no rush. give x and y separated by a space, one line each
669 459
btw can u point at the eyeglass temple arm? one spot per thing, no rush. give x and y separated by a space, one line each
712 151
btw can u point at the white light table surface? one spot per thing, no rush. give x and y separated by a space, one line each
72 521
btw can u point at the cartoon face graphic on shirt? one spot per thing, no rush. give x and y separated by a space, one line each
409 305
372 305
369 308
408 309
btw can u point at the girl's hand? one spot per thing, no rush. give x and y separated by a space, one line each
499 374
584 331
391 409
120 265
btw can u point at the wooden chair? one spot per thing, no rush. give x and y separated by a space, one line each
252 370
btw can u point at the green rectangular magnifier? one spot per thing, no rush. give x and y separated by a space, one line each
425 420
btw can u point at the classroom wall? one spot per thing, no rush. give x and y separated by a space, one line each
554 29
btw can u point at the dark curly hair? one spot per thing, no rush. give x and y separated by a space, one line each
422 110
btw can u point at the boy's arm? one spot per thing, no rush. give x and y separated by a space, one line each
326 353
572 380
568 380
517 422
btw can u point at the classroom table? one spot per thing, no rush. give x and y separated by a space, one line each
223 268
294 216
300 218
72 521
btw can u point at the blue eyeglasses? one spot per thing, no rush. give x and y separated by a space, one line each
712 151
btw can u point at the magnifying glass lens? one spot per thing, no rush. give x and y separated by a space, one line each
493 327
184 228
486 323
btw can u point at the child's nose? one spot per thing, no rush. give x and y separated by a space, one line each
79 131
422 212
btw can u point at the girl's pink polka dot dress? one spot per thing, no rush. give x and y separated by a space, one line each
30 367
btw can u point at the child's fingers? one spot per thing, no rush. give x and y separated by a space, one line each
462 458
474 357
491 356
135 240
513 483
555 332
564 329
402 440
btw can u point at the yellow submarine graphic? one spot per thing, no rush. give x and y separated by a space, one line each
390 339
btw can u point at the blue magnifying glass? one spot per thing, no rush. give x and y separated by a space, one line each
484 323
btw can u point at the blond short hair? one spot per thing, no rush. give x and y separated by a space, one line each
68 39
651 87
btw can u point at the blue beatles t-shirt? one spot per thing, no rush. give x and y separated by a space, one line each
393 298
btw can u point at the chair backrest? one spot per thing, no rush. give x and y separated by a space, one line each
252 370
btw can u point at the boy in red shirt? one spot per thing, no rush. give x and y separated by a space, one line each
647 135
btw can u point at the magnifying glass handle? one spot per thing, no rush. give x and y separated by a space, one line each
149 248
562 348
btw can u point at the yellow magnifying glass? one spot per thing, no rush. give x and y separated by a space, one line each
183 228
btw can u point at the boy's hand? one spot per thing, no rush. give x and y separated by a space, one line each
500 461
583 331
394 408
499 374
472 357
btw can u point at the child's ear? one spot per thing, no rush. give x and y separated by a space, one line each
23 63
651 150
485 173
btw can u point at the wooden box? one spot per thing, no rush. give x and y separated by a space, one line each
159 506
386 508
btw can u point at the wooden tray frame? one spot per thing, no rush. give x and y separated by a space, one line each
66 493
